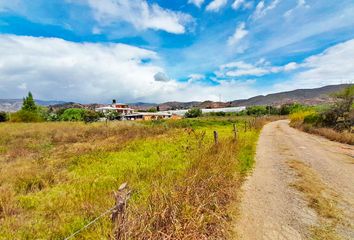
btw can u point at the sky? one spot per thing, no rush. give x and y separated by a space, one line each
172 50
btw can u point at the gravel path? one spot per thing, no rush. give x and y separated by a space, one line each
271 208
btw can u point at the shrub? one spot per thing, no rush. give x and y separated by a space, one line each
256 110
193 113
90 116
313 118
26 116
3 116
73 114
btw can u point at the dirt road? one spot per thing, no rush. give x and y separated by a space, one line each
271 208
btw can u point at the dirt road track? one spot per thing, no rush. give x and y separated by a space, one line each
271 209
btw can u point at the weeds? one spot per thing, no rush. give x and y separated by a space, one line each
56 177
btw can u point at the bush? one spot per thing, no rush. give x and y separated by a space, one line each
73 114
256 110
91 116
26 116
193 113
3 116
313 118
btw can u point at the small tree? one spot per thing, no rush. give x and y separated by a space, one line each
193 113
28 103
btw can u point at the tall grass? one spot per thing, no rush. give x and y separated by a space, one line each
56 177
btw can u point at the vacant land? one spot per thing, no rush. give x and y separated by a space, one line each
302 188
57 177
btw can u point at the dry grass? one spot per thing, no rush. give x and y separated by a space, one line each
320 198
342 137
56 177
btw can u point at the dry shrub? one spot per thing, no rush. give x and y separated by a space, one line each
197 206
343 137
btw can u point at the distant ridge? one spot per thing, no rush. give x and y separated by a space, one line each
305 96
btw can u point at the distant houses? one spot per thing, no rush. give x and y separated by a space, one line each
126 113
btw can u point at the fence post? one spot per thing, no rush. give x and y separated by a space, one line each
216 136
118 213
245 126
235 132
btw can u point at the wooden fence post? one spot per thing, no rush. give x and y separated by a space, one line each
245 126
235 132
118 214
216 136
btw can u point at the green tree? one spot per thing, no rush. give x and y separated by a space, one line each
193 113
73 114
28 103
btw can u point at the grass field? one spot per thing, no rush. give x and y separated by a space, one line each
57 177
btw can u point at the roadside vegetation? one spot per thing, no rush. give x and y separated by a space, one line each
334 121
55 177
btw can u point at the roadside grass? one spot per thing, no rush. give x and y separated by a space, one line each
320 198
56 177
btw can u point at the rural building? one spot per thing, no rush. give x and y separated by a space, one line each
121 108
127 113
149 116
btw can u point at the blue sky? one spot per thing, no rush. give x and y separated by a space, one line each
158 50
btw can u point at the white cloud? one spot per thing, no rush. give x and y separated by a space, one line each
216 5
334 66
245 4
53 68
197 3
140 14
262 9
261 68
195 77
239 34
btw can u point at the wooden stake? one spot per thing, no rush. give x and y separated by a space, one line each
235 132
216 140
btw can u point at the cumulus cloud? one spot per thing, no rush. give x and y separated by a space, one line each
53 68
140 14
161 77
245 4
216 5
239 34
197 3
261 68
333 66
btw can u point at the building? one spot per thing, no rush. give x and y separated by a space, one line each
147 116
127 113
121 108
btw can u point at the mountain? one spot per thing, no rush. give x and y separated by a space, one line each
304 96
13 105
